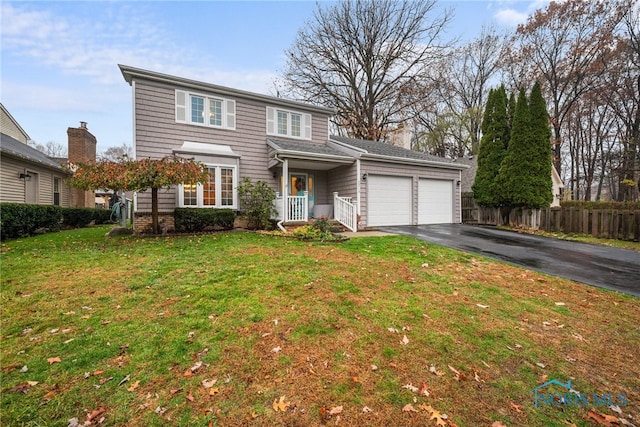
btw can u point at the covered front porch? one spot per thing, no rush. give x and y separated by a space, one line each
313 182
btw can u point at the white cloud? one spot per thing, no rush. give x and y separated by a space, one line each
511 17
77 44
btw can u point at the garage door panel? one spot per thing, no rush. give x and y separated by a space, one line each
435 201
389 200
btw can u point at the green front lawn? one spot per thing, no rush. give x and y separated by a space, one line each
249 329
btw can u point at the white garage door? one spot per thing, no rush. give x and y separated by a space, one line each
389 200
435 201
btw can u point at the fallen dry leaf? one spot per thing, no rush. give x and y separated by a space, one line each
516 408
213 391
498 424
424 389
49 395
366 410
409 408
459 376
405 340
209 383
477 377
134 386
23 387
482 306
53 360
411 387
603 419
335 410
280 405
189 397
95 413
434 371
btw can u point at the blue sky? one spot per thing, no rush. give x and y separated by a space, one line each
59 59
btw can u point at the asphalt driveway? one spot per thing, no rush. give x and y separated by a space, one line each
602 266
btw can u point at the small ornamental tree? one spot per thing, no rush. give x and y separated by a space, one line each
139 175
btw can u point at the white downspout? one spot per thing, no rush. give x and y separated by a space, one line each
285 172
459 201
358 185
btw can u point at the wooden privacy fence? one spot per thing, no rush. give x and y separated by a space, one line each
600 223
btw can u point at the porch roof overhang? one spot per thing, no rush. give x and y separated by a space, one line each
307 155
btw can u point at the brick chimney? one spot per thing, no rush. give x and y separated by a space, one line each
82 148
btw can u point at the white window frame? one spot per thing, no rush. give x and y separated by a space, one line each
183 110
273 128
218 184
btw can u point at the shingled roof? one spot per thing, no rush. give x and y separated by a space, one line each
12 147
383 149
306 147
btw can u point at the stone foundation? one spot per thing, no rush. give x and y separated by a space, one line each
142 222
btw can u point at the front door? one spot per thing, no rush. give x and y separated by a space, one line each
299 183
31 188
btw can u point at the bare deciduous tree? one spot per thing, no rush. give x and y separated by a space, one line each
457 89
51 148
362 58
564 47
116 154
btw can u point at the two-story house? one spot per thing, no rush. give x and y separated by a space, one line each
287 144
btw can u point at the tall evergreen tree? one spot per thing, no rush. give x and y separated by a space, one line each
541 139
493 148
513 179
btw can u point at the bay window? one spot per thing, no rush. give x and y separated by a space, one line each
218 191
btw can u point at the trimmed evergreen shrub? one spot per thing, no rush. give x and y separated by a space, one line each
21 220
102 216
193 220
257 203
77 217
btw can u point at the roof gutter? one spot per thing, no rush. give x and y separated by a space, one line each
131 73
408 161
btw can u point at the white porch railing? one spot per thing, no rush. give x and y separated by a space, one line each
345 212
294 208
298 208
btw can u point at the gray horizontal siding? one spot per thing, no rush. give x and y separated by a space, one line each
157 135
12 188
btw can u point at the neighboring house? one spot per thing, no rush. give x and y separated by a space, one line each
287 144
26 174
469 175
29 176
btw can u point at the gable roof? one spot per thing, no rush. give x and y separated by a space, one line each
12 147
132 73
468 175
382 151
14 122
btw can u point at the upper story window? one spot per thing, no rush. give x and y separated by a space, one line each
203 110
290 124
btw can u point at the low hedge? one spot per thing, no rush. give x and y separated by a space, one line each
77 217
102 216
21 220
193 220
